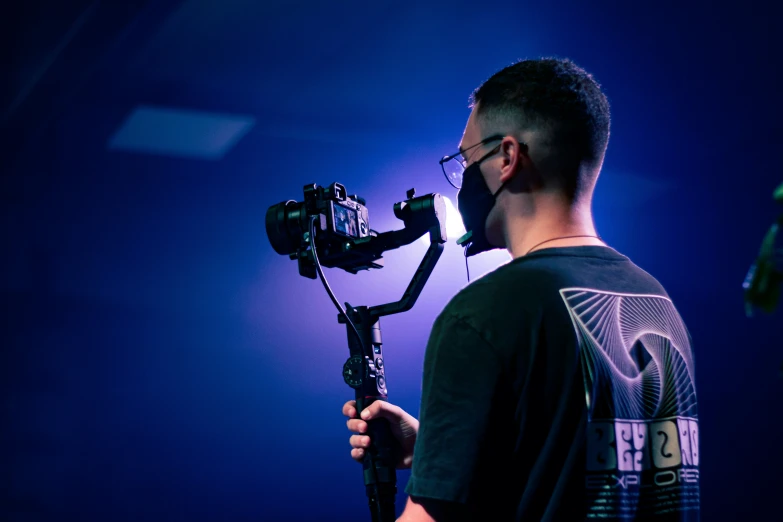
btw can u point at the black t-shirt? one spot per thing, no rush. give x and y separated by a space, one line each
560 386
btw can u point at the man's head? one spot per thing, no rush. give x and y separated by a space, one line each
554 123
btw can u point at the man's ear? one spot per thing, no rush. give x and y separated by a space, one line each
516 162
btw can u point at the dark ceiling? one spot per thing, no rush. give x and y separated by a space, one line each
161 362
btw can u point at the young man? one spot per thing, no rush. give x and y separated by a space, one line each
560 386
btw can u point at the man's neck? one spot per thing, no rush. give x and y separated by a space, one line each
552 223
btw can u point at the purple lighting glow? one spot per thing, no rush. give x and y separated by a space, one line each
454 227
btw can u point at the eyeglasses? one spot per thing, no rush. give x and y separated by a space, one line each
454 166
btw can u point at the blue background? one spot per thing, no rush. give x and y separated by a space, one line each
161 362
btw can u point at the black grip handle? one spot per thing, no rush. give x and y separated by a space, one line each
384 448
364 372
379 463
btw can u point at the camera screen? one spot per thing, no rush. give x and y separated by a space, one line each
345 221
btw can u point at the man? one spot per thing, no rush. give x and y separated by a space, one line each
560 386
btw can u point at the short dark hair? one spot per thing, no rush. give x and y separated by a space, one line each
561 99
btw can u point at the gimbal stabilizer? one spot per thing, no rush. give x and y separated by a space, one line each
332 229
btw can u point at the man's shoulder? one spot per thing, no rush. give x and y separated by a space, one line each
511 279
510 288
536 283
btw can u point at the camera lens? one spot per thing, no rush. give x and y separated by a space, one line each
284 226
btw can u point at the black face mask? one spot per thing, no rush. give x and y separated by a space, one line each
475 201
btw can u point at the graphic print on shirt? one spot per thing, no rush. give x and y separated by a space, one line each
642 430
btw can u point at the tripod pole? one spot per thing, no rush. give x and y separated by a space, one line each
364 372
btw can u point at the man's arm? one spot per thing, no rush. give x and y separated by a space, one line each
415 512
428 510
462 372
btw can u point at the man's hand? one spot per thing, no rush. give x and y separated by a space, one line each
404 428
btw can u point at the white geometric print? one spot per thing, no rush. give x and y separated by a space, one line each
637 359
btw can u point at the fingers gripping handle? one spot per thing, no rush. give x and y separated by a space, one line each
379 463
381 457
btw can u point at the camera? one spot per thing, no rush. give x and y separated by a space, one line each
341 223
340 228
